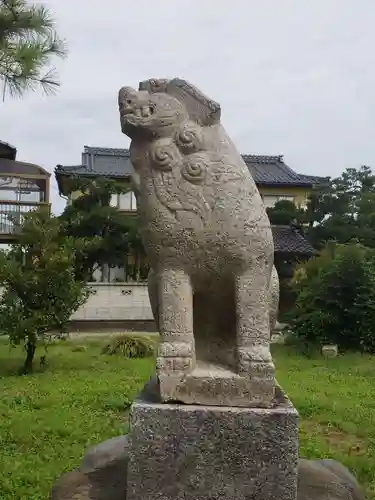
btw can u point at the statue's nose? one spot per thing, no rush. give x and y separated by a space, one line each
126 95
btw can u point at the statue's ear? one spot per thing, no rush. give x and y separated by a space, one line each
201 108
154 85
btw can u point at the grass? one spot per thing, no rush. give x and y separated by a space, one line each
48 419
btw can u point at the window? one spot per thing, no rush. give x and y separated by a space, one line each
124 201
271 200
114 200
135 268
287 198
127 201
20 190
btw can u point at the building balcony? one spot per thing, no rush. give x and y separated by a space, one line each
23 187
11 217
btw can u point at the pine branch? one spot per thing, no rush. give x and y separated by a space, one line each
27 44
24 21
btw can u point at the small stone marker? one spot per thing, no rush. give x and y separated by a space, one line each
330 351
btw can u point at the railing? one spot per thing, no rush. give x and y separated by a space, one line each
12 214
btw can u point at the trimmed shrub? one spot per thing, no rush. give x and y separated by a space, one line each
130 346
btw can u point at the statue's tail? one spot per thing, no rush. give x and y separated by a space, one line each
153 296
274 297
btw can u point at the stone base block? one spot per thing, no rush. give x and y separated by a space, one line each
180 452
219 386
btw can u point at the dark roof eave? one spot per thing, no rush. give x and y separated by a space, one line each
267 171
12 150
80 171
128 175
19 168
297 253
63 173
287 184
60 183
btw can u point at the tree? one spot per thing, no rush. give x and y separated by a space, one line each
28 41
335 298
41 291
365 219
113 234
285 213
345 210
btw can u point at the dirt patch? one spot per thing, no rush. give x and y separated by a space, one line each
337 439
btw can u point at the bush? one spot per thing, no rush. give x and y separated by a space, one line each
335 298
130 347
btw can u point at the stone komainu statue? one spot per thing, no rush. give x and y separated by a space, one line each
209 242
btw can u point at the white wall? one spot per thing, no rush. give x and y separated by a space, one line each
115 302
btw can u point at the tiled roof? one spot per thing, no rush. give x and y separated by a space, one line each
100 162
106 151
113 162
71 169
287 239
7 151
10 167
272 170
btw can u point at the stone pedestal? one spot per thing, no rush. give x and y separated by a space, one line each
181 452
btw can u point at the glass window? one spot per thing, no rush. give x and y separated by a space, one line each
134 202
114 200
125 201
271 200
97 274
7 195
29 196
116 274
18 189
287 198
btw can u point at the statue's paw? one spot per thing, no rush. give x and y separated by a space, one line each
256 361
256 353
175 349
174 364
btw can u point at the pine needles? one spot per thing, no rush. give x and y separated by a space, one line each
28 41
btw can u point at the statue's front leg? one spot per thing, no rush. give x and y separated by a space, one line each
254 360
176 353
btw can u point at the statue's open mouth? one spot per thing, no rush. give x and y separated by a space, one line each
125 112
141 112
147 111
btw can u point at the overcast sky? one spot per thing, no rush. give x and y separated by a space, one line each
294 77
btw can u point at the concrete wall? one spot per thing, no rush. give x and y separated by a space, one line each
116 302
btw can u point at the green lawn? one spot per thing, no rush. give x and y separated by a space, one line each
48 419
